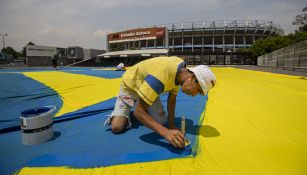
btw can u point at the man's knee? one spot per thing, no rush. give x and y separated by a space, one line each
118 124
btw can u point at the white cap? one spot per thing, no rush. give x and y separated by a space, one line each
205 77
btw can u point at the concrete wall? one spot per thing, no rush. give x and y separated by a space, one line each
293 57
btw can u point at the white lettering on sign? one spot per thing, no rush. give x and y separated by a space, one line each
123 35
132 34
143 33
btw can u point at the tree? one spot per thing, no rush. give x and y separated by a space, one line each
242 50
301 20
268 45
298 37
24 50
11 51
116 47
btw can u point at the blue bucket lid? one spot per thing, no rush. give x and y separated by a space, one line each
37 111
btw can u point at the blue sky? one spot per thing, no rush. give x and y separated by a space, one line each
85 23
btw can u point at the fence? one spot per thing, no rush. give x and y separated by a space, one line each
293 57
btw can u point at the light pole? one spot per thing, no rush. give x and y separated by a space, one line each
3 35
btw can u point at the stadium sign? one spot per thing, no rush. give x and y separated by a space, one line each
144 33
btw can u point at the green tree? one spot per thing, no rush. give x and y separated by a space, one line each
11 51
301 20
242 50
116 47
268 45
298 37
24 50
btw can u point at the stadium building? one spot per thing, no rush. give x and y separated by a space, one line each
205 42
37 55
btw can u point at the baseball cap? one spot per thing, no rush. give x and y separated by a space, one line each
205 77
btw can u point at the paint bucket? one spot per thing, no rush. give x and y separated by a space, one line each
37 125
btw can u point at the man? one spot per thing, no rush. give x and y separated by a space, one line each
54 59
144 82
120 67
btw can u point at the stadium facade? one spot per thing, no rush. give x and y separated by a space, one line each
205 42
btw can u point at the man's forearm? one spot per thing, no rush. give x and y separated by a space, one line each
171 104
142 115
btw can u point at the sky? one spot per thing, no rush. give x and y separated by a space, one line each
85 23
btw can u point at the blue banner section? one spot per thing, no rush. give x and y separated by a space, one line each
18 93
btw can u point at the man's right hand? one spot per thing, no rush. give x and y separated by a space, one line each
175 137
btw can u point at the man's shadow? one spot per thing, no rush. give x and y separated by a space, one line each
156 139
191 128
196 129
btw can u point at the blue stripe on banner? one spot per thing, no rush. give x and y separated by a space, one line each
155 83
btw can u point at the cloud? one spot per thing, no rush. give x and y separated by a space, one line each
282 6
86 23
101 33
50 30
